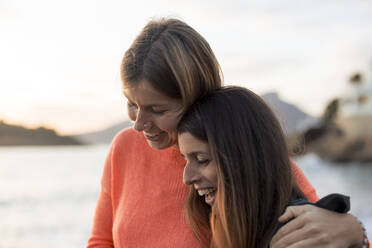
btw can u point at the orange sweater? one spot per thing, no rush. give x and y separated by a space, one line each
142 197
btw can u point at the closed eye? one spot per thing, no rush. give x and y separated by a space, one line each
203 161
158 112
131 105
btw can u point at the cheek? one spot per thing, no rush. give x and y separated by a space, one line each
215 179
169 124
211 174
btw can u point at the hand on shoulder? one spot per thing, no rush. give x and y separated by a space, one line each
312 226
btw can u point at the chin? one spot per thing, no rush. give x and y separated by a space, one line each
163 142
158 145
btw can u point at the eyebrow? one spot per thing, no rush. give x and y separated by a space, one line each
154 105
195 153
148 105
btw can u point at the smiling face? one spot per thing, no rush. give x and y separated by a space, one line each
154 114
200 169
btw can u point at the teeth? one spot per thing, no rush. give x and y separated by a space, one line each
153 135
202 192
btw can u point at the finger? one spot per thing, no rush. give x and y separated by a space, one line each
292 212
294 239
304 244
310 240
285 241
288 214
288 228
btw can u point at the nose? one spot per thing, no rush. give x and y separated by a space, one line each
141 122
132 113
190 175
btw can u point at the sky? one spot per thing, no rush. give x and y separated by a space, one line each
60 60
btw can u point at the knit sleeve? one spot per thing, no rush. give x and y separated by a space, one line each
303 183
101 235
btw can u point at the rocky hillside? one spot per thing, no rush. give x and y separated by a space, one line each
13 135
291 117
334 141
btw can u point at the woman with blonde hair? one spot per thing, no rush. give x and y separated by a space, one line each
168 67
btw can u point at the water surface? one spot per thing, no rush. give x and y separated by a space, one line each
48 194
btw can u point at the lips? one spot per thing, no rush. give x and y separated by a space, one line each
205 191
209 194
153 137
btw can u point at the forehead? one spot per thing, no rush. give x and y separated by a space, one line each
144 93
190 144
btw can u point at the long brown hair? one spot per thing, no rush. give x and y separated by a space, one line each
253 169
174 58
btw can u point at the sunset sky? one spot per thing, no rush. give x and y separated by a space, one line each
59 60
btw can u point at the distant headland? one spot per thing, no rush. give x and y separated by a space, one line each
15 135
344 133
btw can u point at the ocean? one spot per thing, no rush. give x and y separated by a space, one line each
48 194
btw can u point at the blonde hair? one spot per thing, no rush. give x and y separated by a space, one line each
174 58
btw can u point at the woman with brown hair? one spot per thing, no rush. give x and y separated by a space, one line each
238 165
167 68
